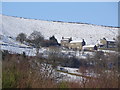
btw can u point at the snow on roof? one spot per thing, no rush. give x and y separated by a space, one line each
101 44
111 40
88 46
65 39
23 45
1 42
75 41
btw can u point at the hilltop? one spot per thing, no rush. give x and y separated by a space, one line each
12 26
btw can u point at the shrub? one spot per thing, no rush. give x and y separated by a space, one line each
63 85
10 79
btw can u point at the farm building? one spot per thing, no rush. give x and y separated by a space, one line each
75 45
90 47
65 41
107 43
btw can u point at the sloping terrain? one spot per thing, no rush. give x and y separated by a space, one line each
12 26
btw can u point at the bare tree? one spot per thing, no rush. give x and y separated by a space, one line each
21 37
36 38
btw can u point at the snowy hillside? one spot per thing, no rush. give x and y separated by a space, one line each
12 26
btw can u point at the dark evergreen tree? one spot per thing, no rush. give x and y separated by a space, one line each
53 41
70 39
95 47
83 43
104 38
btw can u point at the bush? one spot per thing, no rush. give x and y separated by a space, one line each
10 78
71 62
24 73
63 85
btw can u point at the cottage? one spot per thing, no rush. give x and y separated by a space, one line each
90 47
76 45
107 43
65 41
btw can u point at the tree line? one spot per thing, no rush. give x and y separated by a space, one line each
37 40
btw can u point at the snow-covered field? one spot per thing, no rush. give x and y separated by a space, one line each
13 46
12 26
17 50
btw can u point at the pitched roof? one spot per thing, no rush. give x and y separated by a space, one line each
111 40
88 46
75 41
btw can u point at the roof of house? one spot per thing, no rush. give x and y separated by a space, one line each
64 39
1 42
75 41
88 46
111 40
